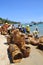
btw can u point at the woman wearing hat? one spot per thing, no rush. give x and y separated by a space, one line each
28 29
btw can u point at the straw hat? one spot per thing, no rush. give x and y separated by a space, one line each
27 25
6 23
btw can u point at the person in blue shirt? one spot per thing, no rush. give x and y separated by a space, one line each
23 29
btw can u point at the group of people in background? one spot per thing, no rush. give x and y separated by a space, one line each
26 29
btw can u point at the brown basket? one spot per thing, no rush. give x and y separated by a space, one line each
26 51
15 53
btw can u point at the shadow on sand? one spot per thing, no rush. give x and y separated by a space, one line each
9 56
39 47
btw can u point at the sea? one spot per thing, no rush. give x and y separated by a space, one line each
40 28
33 27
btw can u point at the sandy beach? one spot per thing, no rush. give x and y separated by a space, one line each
35 58
21 32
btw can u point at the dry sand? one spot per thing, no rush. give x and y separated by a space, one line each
4 60
35 58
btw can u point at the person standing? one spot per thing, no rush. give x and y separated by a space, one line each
35 33
23 29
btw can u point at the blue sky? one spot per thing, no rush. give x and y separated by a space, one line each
24 11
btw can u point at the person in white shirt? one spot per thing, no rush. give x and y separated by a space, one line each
35 33
9 28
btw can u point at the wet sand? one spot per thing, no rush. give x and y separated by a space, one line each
35 58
